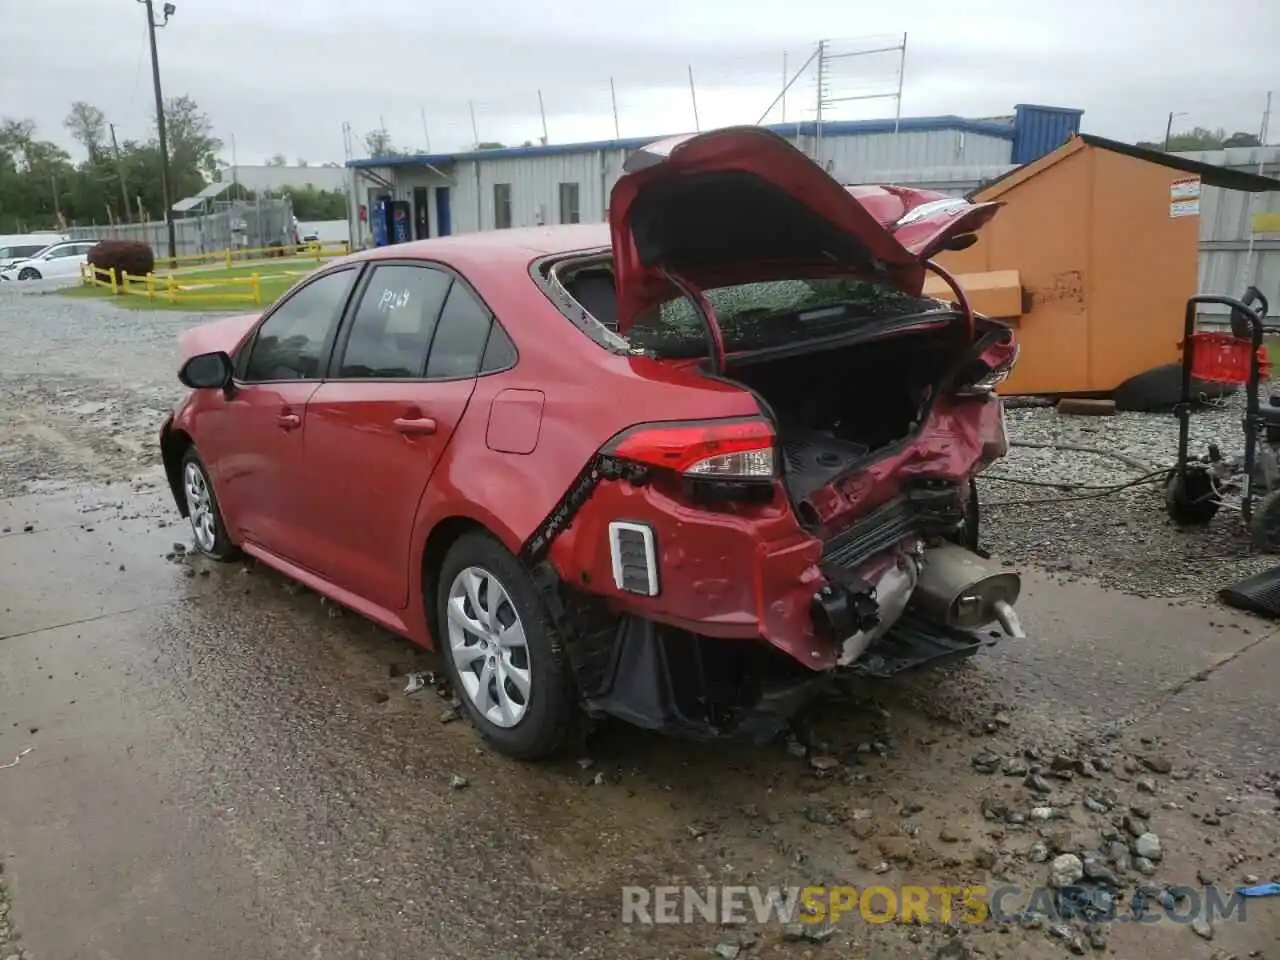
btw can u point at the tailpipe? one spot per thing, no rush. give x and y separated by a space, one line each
962 590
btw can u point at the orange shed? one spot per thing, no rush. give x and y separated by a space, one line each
1092 259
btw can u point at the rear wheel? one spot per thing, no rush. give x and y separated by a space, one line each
500 650
207 528
28 273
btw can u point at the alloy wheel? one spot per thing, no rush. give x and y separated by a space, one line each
489 648
200 507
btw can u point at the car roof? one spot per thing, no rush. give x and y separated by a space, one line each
495 252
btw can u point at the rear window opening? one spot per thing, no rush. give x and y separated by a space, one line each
751 316
844 368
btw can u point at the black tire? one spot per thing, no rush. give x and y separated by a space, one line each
29 273
551 710
221 548
1264 528
1191 502
1158 389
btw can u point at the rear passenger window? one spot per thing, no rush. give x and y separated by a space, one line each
499 352
393 324
460 336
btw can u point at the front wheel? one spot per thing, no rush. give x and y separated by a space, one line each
28 273
207 526
500 650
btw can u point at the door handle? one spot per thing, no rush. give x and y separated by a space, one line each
289 421
415 425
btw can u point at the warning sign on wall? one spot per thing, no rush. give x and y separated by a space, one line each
1184 197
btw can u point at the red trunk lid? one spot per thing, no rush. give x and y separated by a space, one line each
741 205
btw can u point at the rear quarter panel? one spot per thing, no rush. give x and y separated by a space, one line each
591 395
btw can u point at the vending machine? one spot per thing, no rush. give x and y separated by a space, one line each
380 221
401 222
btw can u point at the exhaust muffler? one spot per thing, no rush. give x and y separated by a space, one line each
961 589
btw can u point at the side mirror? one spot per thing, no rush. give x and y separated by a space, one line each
206 371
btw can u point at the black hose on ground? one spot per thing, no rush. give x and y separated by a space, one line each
1080 448
1148 475
1152 477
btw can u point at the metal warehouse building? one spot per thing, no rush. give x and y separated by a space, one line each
401 198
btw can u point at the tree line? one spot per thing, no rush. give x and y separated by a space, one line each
41 187
1202 138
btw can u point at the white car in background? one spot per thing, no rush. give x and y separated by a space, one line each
24 246
56 260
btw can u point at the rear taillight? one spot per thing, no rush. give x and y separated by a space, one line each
988 370
706 450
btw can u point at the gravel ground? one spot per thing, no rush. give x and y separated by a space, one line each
8 938
1123 539
84 386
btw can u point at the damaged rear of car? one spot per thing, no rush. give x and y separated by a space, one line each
717 570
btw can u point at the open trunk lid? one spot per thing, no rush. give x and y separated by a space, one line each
743 205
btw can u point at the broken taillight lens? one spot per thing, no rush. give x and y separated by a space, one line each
710 450
992 374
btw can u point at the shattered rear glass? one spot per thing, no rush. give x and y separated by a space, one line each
753 316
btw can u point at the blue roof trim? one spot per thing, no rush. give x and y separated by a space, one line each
1043 109
835 128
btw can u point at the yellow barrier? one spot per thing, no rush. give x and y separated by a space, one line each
171 288
286 252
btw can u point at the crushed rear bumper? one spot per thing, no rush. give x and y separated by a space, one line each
668 679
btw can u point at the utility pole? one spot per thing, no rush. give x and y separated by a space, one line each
1263 133
693 96
902 70
817 127
168 10
1168 127
124 189
613 96
783 95
542 110
57 204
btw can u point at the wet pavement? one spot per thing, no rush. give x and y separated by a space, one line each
221 764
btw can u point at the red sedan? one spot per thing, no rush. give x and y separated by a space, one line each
680 470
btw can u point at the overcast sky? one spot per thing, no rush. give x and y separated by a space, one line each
281 76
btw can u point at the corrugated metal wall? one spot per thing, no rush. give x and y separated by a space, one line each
953 181
854 159
1225 225
1041 130
535 181
535 188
